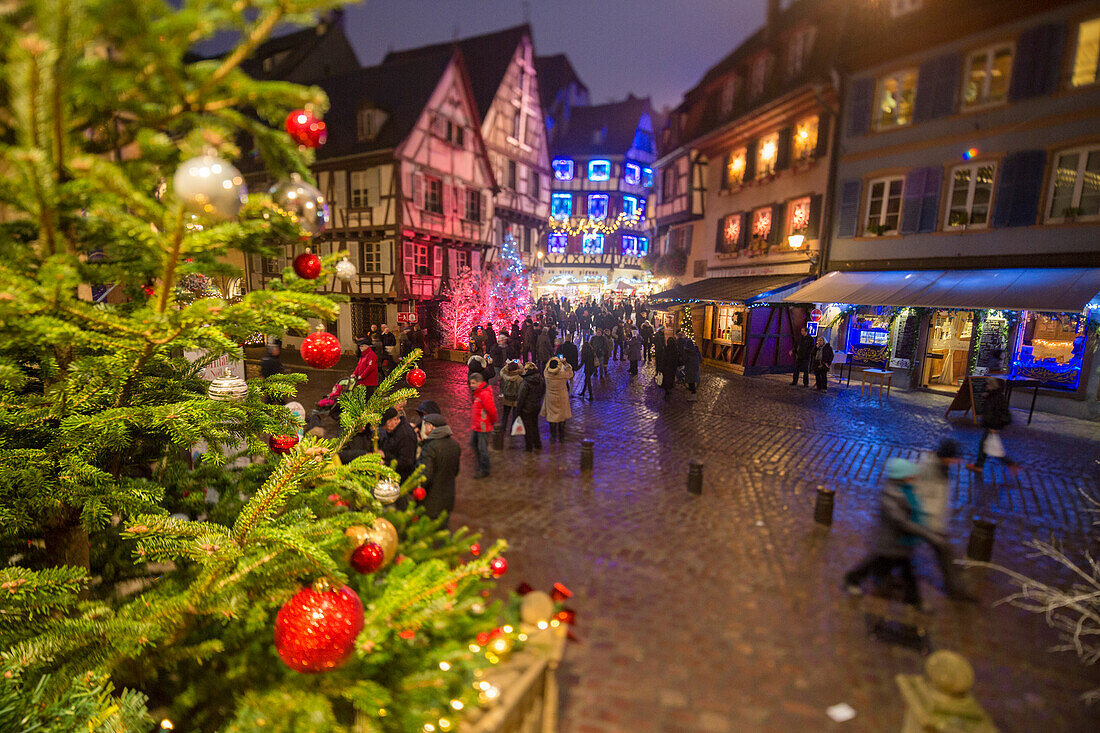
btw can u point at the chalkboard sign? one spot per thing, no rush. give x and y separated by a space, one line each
971 396
905 340
991 347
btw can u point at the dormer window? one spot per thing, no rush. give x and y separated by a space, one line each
632 173
758 74
563 169
448 131
369 122
798 51
647 177
599 170
729 93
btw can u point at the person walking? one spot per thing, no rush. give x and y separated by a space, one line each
555 407
588 361
527 351
822 363
529 404
658 350
389 343
618 340
271 365
602 350
996 416
690 359
544 346
366 370
440 460
397 442
634 351
933 488
802 352
897 531
483 416
668 365
511 377
646 330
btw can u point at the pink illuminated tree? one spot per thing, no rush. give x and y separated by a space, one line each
463 307
509 287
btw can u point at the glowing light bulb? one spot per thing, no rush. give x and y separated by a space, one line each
444 666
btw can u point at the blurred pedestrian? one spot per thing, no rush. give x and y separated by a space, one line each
529 404
822 363
440 459
271 364
555 406
366 369
634 351
802 352
511 377
933 487
668 365
483 416
690 360
996 416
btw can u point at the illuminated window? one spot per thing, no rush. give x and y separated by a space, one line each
731 233
987 73
561 206
630 245
1075 192
894 97
1087 54
762 223
597 206
632 173
798 216
804 143
735 169
884 205
640 211
557 243
971 191
766 151
599 170
643 246
592 244
647 177
630 206
563 169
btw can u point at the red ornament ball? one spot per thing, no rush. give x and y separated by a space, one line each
368 557
307 265
305 129
321 350
283 443
315 631
416 378
419 493
498 566
475 549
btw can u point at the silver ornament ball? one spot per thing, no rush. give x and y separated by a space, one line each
386 491
345 271
211 187
227 388
303 203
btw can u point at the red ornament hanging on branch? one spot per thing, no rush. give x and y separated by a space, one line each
307 265
321 350
498 566
305 129
420 493
283 443
416 378
368 557
315 630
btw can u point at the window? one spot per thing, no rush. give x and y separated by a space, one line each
433 195
798 51
592 244
358 182
987 73
630 206
557 243
971 191
369 122
534 183
563 169
1075 192
1050 347
517 122
599 170
762 223
1087 54
804 142
884 206
728 94
735 169
630 245
643 246
766 152
420 260
647 177
758 73
597 206
670 182
561 205
512 175
902 7
632 173
450 132
731 233
531 133
370 257
894 99
473 204
798 216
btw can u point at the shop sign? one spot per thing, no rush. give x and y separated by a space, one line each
899 363
406 318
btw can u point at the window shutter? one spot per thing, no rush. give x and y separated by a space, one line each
783 152
475 261
448 199
750 161
822 150
912 197
860 102
930 201
386 249
437 261
775 236
848 221
746 222
484 205
452 263
340 188
813 226
418 190
718 241
1038 63
374 187
408 263
725 176
937 82
1019 187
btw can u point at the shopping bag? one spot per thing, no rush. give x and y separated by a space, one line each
993 446
517 427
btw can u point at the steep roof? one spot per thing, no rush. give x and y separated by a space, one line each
554 74
487 59
617 122
400 89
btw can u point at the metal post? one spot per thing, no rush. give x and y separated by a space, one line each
695 477
823 507
498 436
982 534
586 455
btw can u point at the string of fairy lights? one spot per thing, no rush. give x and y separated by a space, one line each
589 225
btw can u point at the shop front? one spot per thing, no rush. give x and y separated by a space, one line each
935 328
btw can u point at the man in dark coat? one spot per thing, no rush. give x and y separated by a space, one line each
668 364
529 403
270 364
803 351
568 351
602 347
544 346
397 441
646 329
440 454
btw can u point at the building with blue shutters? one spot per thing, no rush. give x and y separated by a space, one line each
965 235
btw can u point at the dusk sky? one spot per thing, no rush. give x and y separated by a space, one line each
658 48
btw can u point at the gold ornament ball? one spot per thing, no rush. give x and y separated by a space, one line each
536 606
357 535
385 534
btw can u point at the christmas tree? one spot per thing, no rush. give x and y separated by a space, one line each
687 325
141 582
463 308
509 286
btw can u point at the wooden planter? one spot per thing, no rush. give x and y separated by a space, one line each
452 355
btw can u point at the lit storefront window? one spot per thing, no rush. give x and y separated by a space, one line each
1050 347
805 139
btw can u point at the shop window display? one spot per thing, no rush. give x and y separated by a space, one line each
869 336
1049 347
729 324
949 334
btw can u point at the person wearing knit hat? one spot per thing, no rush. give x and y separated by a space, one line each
397 441
440 456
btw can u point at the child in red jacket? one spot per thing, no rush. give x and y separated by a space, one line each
483 416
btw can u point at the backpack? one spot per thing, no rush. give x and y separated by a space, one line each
509 388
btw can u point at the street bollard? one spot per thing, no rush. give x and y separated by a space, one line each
498 437
982 535
586 455
942 698
823 507
695 477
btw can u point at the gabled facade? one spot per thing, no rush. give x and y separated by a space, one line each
600 225
407 177
306 56
560 89
506 91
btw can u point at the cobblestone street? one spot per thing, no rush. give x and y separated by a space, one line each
723 612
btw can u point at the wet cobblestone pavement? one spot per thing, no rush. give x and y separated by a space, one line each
723 612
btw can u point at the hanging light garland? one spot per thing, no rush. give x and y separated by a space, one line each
588 225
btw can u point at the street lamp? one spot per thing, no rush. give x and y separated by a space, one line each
539 255
796 240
